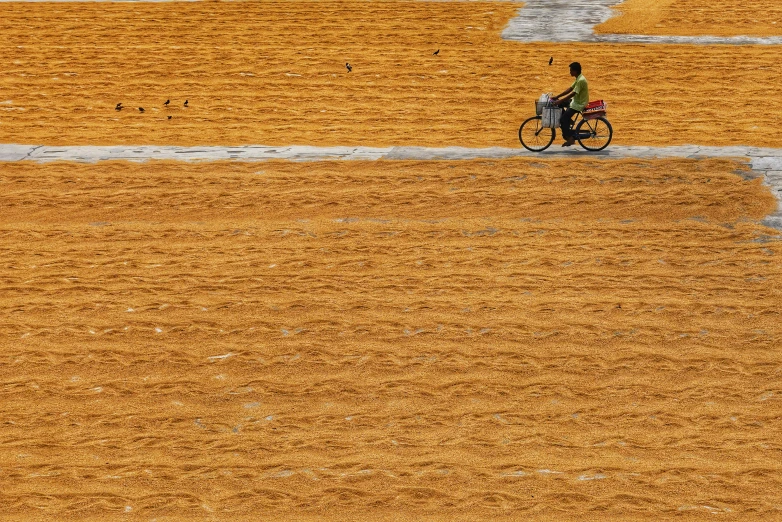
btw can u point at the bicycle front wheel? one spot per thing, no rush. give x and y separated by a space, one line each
534 136
594 135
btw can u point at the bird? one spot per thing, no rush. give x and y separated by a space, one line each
186 103
436 52
348 67
118 107
169 117
167 102
141 109
551 60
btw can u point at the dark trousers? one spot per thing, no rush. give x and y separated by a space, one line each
566 123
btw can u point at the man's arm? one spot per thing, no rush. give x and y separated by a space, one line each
568 94
568 91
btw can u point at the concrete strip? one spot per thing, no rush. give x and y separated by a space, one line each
452 153
559 20
767 163
761 159
574 21
93 154
11 152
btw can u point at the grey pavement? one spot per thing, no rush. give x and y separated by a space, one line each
760 158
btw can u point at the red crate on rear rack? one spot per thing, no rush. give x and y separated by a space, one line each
594 109
595 106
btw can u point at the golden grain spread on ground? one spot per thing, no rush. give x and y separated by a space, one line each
274 73
391 340
696 18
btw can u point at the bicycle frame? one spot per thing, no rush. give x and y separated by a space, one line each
580 117
576 120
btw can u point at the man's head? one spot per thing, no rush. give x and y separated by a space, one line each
575 69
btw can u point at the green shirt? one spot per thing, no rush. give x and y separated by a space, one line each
581 89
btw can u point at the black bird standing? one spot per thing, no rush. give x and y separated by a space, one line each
551 60
436 52
185 103
167 102
348 67
141 109
169 117
118 107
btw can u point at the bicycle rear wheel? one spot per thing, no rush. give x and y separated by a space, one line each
534 136
594 135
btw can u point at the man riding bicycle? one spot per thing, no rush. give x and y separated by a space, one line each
578 96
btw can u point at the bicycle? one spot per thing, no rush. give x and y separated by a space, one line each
593 131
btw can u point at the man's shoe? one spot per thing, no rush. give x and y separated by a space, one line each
569 142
